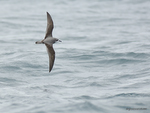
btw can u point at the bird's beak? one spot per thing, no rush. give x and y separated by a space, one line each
59 40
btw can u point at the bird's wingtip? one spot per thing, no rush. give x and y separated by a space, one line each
50 70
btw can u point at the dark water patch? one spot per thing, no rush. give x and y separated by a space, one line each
95 84
137 55
118 61
26 64
121 55
126 76
9 82
85 57
9 53
58 86
122 42
147 46
123 107
130 95
137 107
140 104
89 107
30 65
36 109
100 53
85 84
84 107
78 55
3 41
20 66
85 97
82 83
11 67
63 72
41 111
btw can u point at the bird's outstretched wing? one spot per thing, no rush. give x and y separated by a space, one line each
50 26
51 54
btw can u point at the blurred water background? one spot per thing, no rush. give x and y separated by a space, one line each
101 66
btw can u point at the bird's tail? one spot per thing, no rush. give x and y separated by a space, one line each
39 42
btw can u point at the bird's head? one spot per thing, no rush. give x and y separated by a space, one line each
57 40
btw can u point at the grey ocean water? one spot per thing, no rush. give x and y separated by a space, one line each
101 66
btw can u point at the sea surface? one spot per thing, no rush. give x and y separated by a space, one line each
102 64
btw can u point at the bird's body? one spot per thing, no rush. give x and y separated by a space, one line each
49 41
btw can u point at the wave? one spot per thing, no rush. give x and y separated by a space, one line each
130 95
